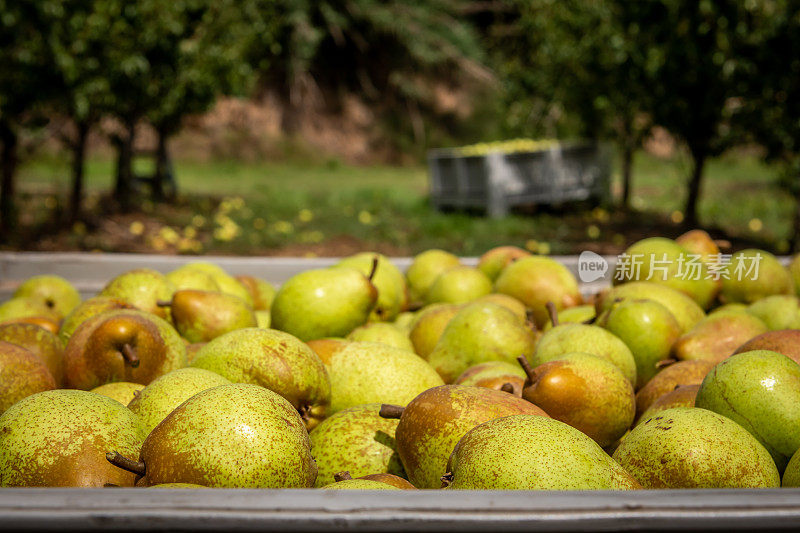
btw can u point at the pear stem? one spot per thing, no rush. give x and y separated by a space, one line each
164 303
391 411
342 476
526 366
507 387
120 461
553 312
666 362
447 479
373 269
129 354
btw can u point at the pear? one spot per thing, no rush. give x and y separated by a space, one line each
684 309
663 261
672 375
86 310
359 484
716 337
429 326
760 391
646 327
693 448
187 278
526 452
387 279
22 373
226 283
275 360
495 260
786 342
262 291
498 375
458 285
389 479
54 292
177 486
537 280
794 272
752 275
585 391
122 391
46 323
59 438
682 396
480 332
231 436
729 308
263 319
424 270
164 394
44 344
580 314
143 288
404 321
791 476
431 425
779 311
23 307
325 348
382 332
192 349
568 338
358 440
328 302
509 302
200 316
369 372
123 345
699 242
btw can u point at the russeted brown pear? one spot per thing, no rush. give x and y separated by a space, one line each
200 316
21 374
672 375
43 343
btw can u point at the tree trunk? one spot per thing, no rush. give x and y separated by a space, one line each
123 189
78 159
794 243
699 156
627 171
162 165
8 166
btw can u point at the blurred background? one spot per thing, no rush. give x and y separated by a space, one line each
301 127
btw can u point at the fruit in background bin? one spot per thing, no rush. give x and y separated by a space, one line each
369 372
329 302
433 422
778 311
495 260
231 436
760 391
647 328
754 274
429 326
186 278
580 314
458 285
387 279
59 438
682 396
672 375
142 288
24 308
497 375
54 292
694 448
786 342
274 360
200 316
44 344
122 345
537 280
480 332
262 291
586 392
716 337
122 391
382 332
684 309
86 310
358 440
22 373
425 268
532 453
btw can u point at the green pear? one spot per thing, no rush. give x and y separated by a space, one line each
23 307
404 321
44 344
200 316
358 440
143 288
262 291
682 396
122 391
647 328
433 422
752 275
691 448
424 270
359 484
729 308
54 292
716 337
231 436
226 283
760 391
794 272
59 438
458 285
526 452
684 309
22 373
163 395
275 360
494 375
495 260
779 311
382 332
580 314
671 376
791 476
480 332
429 325
86 310
187 278
329 302
263 319
387 279
369 372
537 280
568 338
509 302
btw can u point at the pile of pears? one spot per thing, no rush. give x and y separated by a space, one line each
447 376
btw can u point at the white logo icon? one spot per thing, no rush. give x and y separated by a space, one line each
591 266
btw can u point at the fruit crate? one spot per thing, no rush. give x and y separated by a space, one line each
498 180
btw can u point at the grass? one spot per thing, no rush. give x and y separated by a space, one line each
328 208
